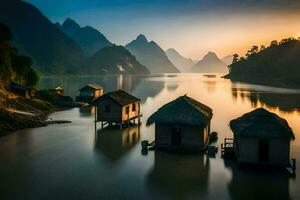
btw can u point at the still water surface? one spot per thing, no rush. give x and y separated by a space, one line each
72 161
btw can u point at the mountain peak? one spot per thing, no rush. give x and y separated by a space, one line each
142 37
211 55
172 51
70 24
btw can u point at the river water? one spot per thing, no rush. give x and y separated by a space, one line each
73 161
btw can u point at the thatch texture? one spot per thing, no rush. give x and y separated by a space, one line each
183 110
120 97
261 123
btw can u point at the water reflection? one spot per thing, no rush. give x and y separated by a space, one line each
114 143
179 176
72 84
148 88
251 184
287 102
87 111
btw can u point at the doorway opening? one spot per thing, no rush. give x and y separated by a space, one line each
263 150
176 137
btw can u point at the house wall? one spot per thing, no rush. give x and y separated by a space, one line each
115 114
131 114
87 92
193 137
247 151
98 93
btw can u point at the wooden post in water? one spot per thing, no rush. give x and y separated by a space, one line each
95 118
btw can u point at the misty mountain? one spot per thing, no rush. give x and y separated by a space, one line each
114 60
227 59
210 64
182 63
37 37
88 38
151 55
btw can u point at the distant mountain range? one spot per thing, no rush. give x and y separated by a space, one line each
64 49
71 49
210 64
88 38
114 60
151 55
182 63
37 37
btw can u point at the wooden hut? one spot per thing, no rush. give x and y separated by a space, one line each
182 124
89 93
262 137
22 90
59 90
117 107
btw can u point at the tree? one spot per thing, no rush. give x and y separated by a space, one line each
235 58
253 50
14 67
262 47
274 43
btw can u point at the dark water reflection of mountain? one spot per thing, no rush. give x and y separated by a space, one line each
287 102
140 86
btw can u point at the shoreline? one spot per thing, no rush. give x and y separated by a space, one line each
12 122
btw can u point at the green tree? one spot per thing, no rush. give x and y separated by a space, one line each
235 58
274 43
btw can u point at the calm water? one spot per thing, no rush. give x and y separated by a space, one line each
72 161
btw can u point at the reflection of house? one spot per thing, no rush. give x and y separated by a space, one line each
59 90
117 107
261 137
86 111
22 90
182 124
89 92
249 184
179 177
114 143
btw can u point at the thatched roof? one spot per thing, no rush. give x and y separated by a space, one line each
59 88
94 86
261 123
121 97
183 110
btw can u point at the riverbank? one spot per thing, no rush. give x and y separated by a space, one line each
18 113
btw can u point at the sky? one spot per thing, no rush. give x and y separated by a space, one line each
192 27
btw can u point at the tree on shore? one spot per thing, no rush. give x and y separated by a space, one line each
13 66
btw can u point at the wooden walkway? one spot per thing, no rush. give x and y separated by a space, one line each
227 148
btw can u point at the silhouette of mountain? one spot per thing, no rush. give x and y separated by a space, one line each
37 37
227 59
182 63
151 55
88 38
277 65
210 64
114 60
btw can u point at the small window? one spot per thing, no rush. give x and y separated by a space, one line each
133 107
127 109
107 108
